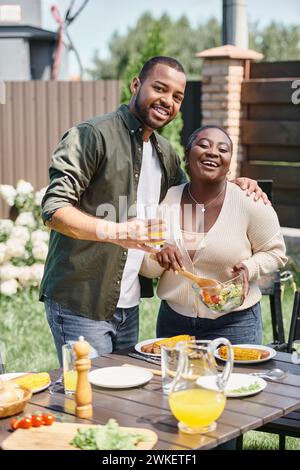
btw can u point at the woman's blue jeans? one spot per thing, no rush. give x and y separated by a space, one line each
242 327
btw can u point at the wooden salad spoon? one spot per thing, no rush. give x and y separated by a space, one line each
200 281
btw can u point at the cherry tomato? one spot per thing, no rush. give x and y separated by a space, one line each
37 420
20 423
215 299
14 423
25 423
48 419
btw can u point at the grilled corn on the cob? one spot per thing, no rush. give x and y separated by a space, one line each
33 381
241 354
170 342
154 348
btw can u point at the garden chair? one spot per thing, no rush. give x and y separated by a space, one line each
271 285
288 425
294 333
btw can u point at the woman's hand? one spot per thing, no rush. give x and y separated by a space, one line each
169 257
240 268
252 187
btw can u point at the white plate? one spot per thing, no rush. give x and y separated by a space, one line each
138 346
120 377
251 346
238 385
14 375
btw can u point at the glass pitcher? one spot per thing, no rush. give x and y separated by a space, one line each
197 395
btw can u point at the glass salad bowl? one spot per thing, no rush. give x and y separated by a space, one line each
224 298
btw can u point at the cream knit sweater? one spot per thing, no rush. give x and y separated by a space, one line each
245 231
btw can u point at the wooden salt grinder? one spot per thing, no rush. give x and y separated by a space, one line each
83 394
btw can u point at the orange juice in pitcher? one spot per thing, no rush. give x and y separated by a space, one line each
197 407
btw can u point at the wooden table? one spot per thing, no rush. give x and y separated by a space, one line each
147 407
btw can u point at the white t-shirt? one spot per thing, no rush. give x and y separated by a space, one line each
148 192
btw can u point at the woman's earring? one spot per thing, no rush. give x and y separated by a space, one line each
228 172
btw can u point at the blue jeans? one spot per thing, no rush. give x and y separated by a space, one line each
240 327
104 336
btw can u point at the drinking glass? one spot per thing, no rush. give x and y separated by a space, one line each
296 352
2 357
69 370
169 364
155 212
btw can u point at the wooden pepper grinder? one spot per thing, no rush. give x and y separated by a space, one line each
83 394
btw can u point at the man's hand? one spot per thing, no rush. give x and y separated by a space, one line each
135 234
252 187
240 268
131 234
170 257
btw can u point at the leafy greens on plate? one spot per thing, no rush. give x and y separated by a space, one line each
107 437
255 386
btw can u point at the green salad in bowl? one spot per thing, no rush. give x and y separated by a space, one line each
225 298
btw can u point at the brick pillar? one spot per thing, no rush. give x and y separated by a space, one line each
224 70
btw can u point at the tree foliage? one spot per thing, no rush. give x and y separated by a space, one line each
164 36
276 41
179 40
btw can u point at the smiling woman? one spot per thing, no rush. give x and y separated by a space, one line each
208 157
234 237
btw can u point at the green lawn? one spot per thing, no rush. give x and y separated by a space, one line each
26 334
29 346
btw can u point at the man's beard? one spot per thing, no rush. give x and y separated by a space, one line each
143 114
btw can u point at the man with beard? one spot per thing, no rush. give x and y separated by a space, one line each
104 171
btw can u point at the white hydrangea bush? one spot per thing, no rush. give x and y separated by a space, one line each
24 242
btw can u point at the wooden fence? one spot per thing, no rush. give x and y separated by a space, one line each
271 133
37 113
35 116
